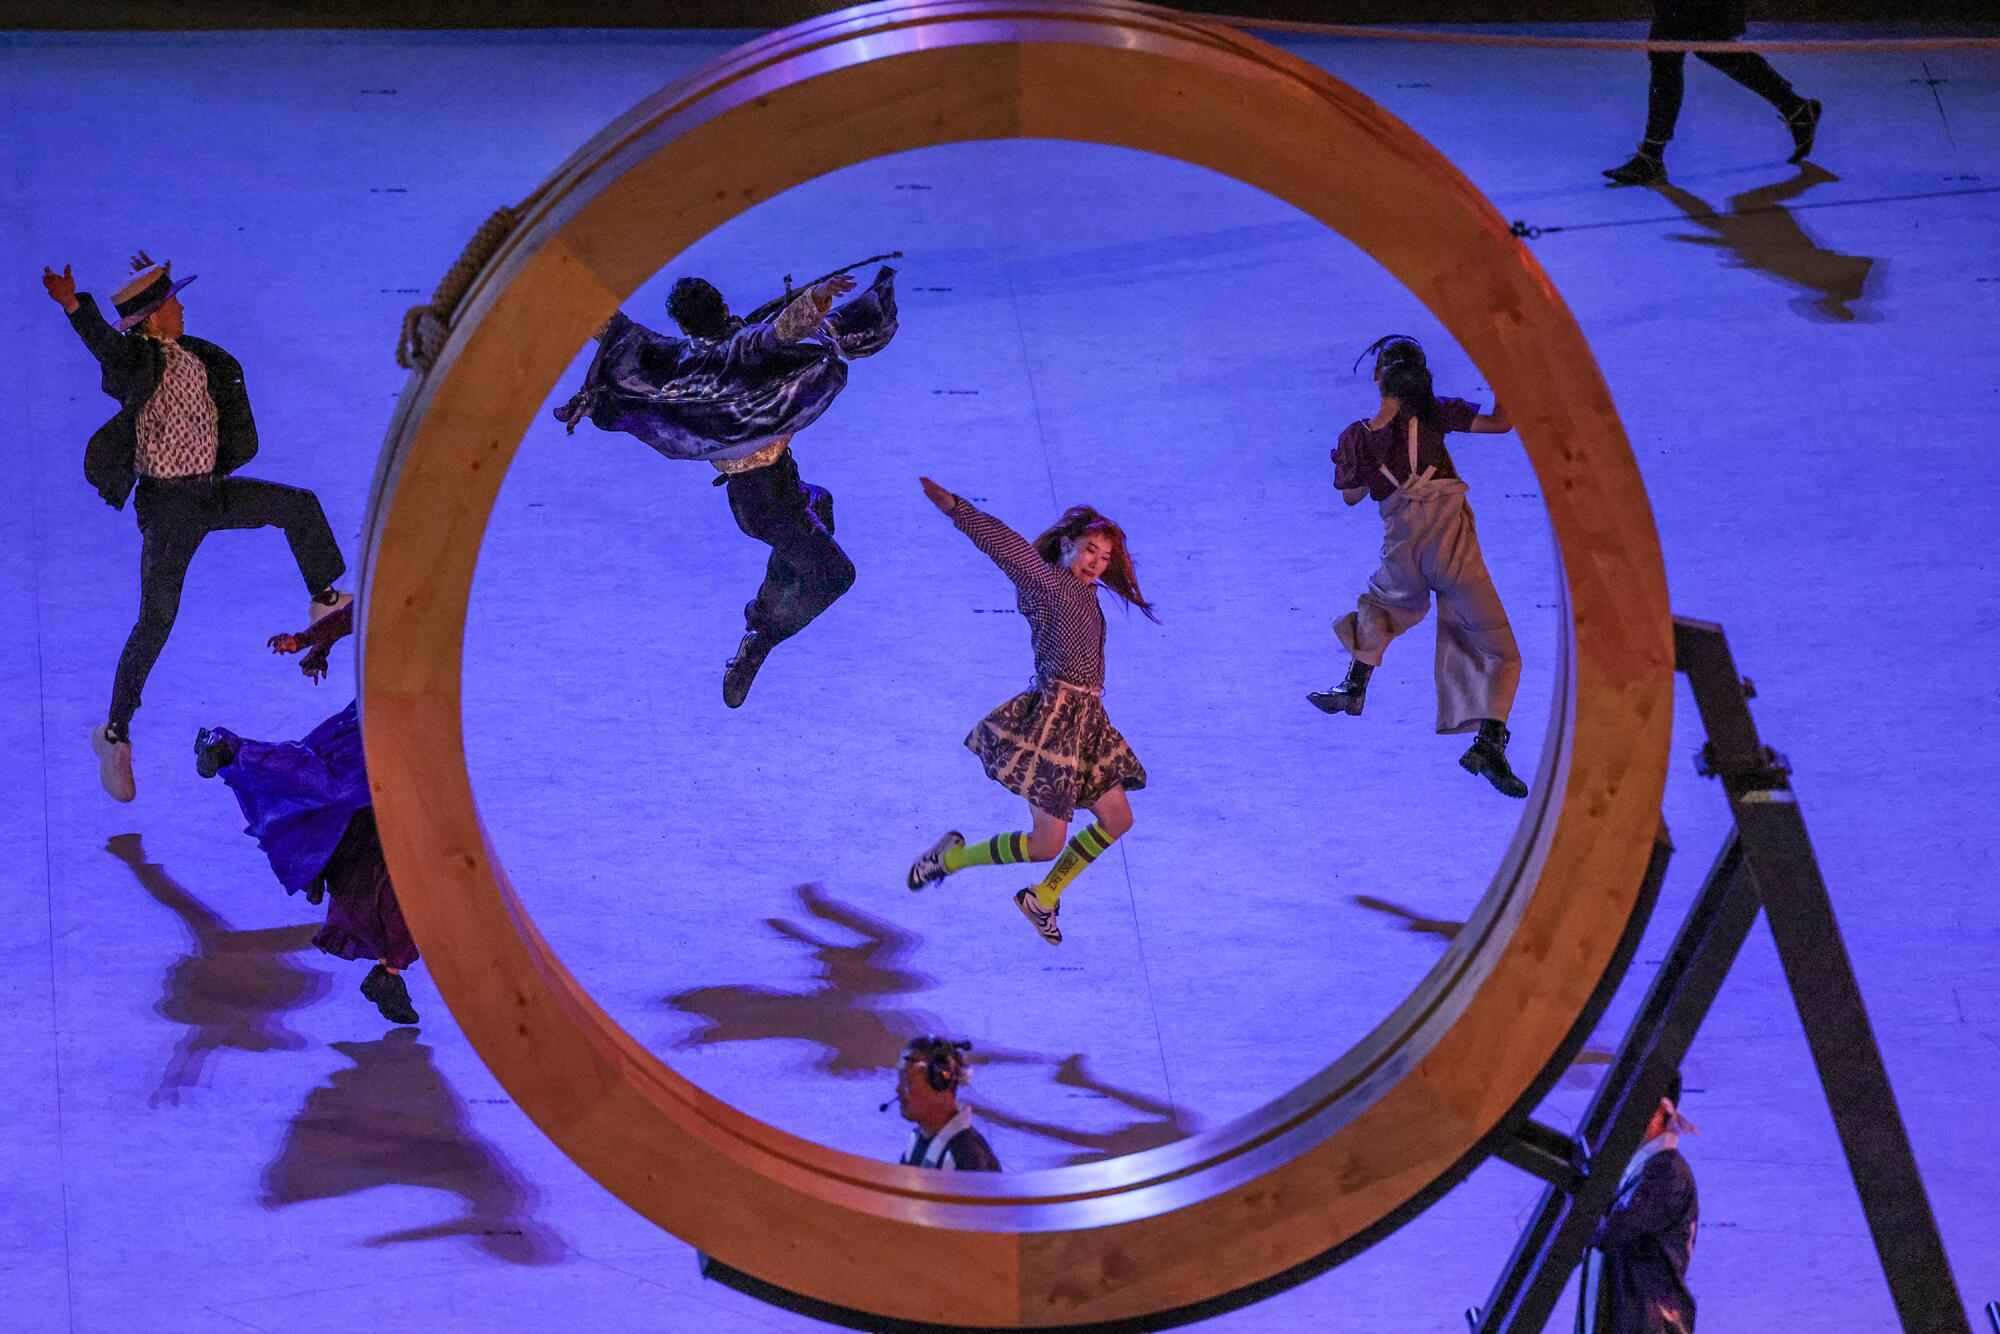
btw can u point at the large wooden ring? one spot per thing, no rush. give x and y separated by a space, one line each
1324 1165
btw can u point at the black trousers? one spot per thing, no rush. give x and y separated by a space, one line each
174 517
807 571
1669 84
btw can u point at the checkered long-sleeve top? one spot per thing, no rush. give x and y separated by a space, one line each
1064 620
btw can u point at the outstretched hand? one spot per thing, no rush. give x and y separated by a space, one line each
839 285
940 497
285 644
61 287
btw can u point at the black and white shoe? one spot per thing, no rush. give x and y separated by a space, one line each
1044 920
390 995
742 668
930 868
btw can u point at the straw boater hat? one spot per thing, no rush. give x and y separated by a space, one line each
147 292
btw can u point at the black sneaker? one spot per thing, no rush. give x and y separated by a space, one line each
929 868
742 668
1804 124
1641 168
1044 920
214 751
391 997
1487 757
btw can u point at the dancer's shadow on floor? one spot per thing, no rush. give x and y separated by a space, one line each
1756 231
394 1120
232 989
1446 930
851 1017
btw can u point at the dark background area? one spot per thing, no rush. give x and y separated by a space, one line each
116 14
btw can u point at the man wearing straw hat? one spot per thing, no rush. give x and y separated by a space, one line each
183 426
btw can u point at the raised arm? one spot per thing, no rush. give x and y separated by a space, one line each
84 317
809 308
1014 554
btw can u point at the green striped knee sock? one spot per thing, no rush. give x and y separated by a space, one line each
999 850
1082 850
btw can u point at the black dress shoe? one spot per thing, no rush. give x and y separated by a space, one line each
1803 123
214 751
391 997
742 668
1640 169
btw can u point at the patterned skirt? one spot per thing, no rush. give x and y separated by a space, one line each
1057 748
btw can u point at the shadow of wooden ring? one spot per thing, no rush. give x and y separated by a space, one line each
1324 1168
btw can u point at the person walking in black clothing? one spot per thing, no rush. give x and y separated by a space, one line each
1707 21
183 427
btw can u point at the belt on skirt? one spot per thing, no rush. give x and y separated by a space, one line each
1038 685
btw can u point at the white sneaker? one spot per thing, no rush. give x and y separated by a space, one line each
1030 904
930 868
114 763
321 610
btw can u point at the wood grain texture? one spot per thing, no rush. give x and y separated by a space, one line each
1175 1225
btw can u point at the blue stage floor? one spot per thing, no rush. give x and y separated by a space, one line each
208 1129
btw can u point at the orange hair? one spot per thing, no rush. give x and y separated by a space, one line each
1080 521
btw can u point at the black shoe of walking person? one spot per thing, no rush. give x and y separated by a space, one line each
390 995
1642 168
1804 124
742 668
1487 757
214 751
1349 695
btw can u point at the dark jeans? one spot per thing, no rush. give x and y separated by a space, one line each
174 517
1669 83
807 570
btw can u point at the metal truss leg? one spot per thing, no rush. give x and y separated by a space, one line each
1766 862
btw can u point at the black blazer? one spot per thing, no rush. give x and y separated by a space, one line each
133 365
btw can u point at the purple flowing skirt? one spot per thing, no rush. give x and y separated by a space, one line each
308 807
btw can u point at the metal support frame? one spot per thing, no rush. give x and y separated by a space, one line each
1765 863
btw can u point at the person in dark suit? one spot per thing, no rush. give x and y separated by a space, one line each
183 427
1707 21
1635 1273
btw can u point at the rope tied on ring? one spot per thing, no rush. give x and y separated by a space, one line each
425 327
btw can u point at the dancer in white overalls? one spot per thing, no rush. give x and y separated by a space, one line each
1429 546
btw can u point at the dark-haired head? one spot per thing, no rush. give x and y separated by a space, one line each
1391 348
1087 543
1409 383
698 308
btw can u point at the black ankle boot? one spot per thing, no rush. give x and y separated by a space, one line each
1644 167
1804 124
1349 695
391 997
1487 757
